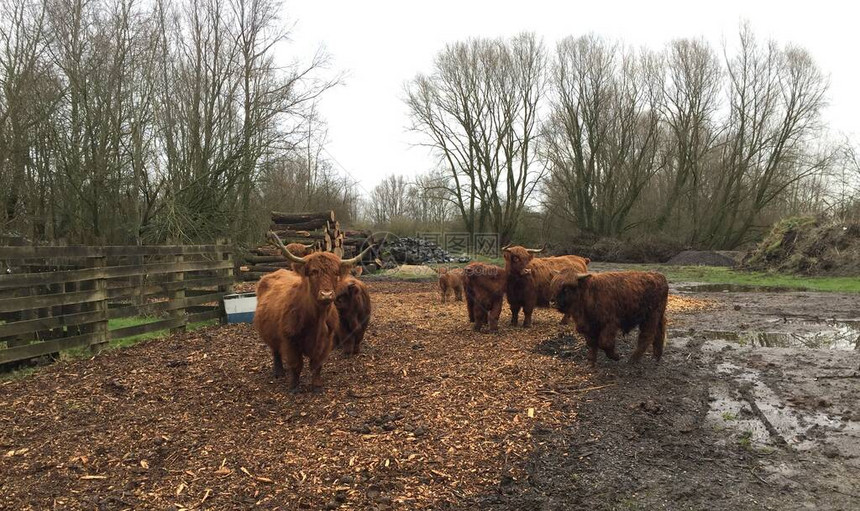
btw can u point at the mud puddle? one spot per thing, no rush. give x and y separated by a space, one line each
734 288
830 335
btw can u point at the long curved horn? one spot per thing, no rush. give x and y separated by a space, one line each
311 245
536 250
351 261
275 240
506 247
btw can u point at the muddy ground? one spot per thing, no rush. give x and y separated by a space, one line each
433 416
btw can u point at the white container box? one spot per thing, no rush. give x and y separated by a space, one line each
240 307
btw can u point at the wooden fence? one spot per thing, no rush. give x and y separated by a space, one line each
57 298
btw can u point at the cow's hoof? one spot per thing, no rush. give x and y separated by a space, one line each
295 390
317 390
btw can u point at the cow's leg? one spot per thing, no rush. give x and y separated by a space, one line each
443 291
323 348
351 345
458 294
659 338
277 364
565 319
359 336
295 364
591 342
607 342
470 306
316 376
527 315
515 313
647 331
494 314
480 316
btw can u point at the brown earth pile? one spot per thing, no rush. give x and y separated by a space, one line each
808 246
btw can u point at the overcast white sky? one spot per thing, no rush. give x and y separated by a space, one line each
383 44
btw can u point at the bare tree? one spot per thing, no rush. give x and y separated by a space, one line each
775 97
602 136
688 107
478 111
389 200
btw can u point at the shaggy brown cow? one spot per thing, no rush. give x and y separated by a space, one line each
530 279
353 306
295 314
485 292
603 303
451 280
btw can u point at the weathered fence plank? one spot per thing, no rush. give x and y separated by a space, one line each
63 297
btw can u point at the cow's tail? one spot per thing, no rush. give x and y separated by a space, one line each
659 338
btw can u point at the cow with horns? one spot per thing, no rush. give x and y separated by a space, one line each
296 315
529 281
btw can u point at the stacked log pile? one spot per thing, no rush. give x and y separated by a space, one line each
317 231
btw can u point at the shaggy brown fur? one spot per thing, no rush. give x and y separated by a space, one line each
603 303
299 250
451 280
485 291
353 306
530 278
296 316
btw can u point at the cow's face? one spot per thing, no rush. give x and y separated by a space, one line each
346 291
323 272
566 287
517 259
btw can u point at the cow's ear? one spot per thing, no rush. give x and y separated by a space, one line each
584 276
353 288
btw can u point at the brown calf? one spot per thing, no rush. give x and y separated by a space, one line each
300 250
485 292
603 303
353 306
295 314
530 280
451 280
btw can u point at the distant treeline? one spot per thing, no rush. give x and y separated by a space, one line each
124 121
705 145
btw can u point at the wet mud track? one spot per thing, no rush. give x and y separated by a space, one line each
721 423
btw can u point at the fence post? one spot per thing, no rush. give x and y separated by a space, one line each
223 289
178 295
101 328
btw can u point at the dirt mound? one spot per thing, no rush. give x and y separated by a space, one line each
701 258
808 246
616 250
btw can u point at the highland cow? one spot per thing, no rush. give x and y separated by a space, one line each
353 307
451 280
529 280
485 292
604 303
295 314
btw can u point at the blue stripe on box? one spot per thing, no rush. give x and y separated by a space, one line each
241 317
